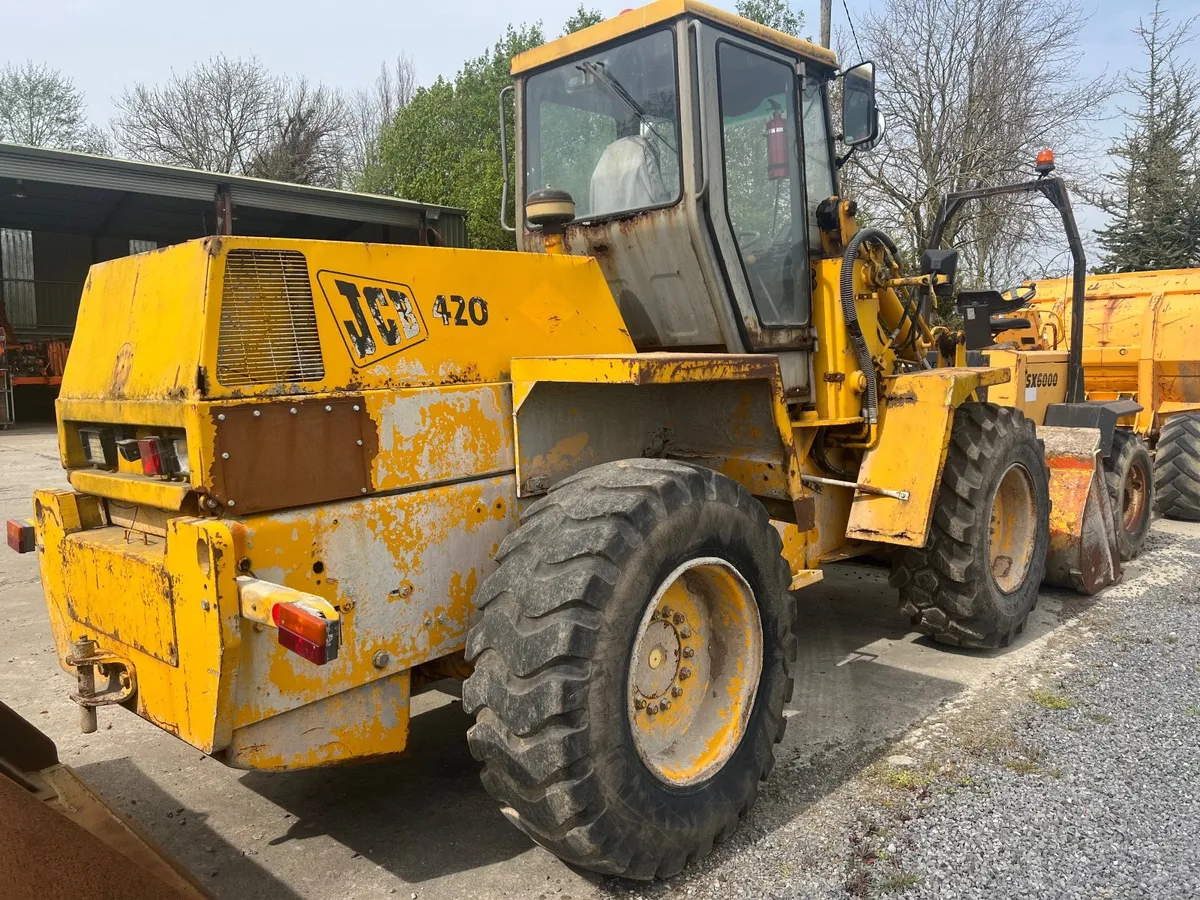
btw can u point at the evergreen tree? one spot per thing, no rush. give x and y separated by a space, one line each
1155 205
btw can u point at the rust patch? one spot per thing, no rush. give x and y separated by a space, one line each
122 367
284 453
907 398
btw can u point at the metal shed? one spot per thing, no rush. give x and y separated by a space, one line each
61 212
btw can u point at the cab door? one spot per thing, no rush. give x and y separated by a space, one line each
755 201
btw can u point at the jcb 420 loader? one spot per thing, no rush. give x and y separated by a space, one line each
308 478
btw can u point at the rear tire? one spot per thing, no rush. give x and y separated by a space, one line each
560 688
976 580
1177 468
1127 473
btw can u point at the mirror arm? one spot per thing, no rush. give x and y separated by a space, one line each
842 160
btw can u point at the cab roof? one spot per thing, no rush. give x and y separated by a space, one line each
652 14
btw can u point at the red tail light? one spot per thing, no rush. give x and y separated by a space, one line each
152 458
20 535
306 633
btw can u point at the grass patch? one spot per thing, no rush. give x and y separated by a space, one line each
898 882
1192 710
1101 718
1048 700
907 779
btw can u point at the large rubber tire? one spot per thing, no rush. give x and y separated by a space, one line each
1177 468
947 588
552 645
1128 475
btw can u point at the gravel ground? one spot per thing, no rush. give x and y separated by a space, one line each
1074 775
1098 793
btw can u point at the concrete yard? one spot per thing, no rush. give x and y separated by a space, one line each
421 825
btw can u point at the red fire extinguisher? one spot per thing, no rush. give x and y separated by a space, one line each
777 148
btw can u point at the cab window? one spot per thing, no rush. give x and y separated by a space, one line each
606 128
763 181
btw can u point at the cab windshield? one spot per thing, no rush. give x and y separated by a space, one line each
605 128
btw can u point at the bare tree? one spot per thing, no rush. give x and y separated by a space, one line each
42 107
305 141
970 90
373 109
215 117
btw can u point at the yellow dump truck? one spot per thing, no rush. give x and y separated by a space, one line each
1036 329
308 478
1141 343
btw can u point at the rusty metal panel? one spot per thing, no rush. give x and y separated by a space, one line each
290 453
144 617
365 721
402 568
1083 542
911 453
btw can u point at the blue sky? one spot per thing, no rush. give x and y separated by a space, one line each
105 45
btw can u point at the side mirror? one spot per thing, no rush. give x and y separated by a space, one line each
860 123
944 263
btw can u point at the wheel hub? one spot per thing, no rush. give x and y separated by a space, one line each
694 671
1013 530
1134 502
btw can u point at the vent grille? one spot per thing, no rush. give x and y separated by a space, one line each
268 324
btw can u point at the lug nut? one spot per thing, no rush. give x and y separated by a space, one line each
665 612
689 652
652 709
677 691
685 632
678 618
665 703
685 673
639 702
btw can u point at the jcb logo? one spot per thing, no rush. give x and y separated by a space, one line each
376 318
1041 379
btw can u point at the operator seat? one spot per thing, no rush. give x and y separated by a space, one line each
627 177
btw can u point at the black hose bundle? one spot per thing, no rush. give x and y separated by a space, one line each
850 314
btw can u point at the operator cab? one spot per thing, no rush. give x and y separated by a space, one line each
696 146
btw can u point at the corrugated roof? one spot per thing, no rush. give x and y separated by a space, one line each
105 187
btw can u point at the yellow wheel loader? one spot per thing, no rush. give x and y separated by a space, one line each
309 478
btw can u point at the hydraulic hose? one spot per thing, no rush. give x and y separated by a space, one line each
850 314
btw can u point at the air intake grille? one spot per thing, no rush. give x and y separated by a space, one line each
268 324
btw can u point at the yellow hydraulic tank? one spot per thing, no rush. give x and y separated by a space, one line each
1141 335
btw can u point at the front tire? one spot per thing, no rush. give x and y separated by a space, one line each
1127 474
614 583
1177 468
976 580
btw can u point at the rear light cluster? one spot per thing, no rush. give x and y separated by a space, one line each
21 535
306 632
164 457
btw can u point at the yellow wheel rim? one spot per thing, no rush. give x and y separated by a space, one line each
1013 528
694 671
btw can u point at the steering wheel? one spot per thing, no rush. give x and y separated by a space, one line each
747 239
1018 295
